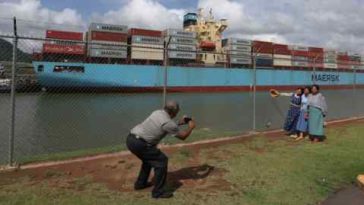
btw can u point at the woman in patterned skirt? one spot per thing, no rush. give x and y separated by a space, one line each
290 125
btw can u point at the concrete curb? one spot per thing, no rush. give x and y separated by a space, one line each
181 145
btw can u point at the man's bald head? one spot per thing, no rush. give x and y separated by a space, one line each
172 108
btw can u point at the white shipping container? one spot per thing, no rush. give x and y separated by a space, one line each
108 28
300 64
263 55
147 46
147 40
282 57
179 47
330 65
326 60
110 46
236 41
238 48
182 55
180 40
241 61
239 53
142 55
104 53
179 33
282 62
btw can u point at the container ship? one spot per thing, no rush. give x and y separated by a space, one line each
193 59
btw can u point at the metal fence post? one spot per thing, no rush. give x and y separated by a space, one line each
12 97
165 83
254 92
354 93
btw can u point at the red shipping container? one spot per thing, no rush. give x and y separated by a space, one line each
301 53
262 47
343 58
109 36
316 50
281 49
64 35
144 32
63 49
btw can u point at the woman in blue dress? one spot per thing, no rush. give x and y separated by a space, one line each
302 124
290 125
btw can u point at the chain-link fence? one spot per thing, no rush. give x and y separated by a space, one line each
74 97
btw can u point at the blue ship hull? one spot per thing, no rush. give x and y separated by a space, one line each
184 79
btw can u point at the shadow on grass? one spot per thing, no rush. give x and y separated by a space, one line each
189 173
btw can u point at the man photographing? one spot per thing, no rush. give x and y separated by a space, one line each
143 140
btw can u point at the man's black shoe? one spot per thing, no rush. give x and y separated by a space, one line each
138 187
165 195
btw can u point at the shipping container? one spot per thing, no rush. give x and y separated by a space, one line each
179 33
64 35
300 64
63 49
264 62
262 47
180 40
108 28
147 52
240 53
147 40
263 55
344 64
330 65
181 55
298 48
282 62
143 55
178 47
236 41
240 61
330 61
144 32
110 46
106 53
239 48
281 49
300 58
300 53
316 50
282 57
107 36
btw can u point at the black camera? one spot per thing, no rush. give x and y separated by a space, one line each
187 119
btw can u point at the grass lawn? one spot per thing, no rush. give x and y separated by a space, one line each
257 172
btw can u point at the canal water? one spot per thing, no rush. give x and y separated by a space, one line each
52 123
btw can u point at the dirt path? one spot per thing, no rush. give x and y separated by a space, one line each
348 196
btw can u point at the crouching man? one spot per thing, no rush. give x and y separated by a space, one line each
143 140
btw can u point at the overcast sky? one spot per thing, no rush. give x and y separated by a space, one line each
334 24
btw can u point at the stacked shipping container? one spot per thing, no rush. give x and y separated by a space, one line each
181 44
238 51
263 53
146 44
316 57
282 56
300 56
343 61
107 41
330 59
63 42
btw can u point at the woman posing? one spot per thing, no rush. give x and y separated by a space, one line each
290 125
302 124
317 110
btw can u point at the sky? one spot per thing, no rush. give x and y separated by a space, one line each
333 24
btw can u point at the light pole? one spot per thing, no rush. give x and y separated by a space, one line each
254 58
